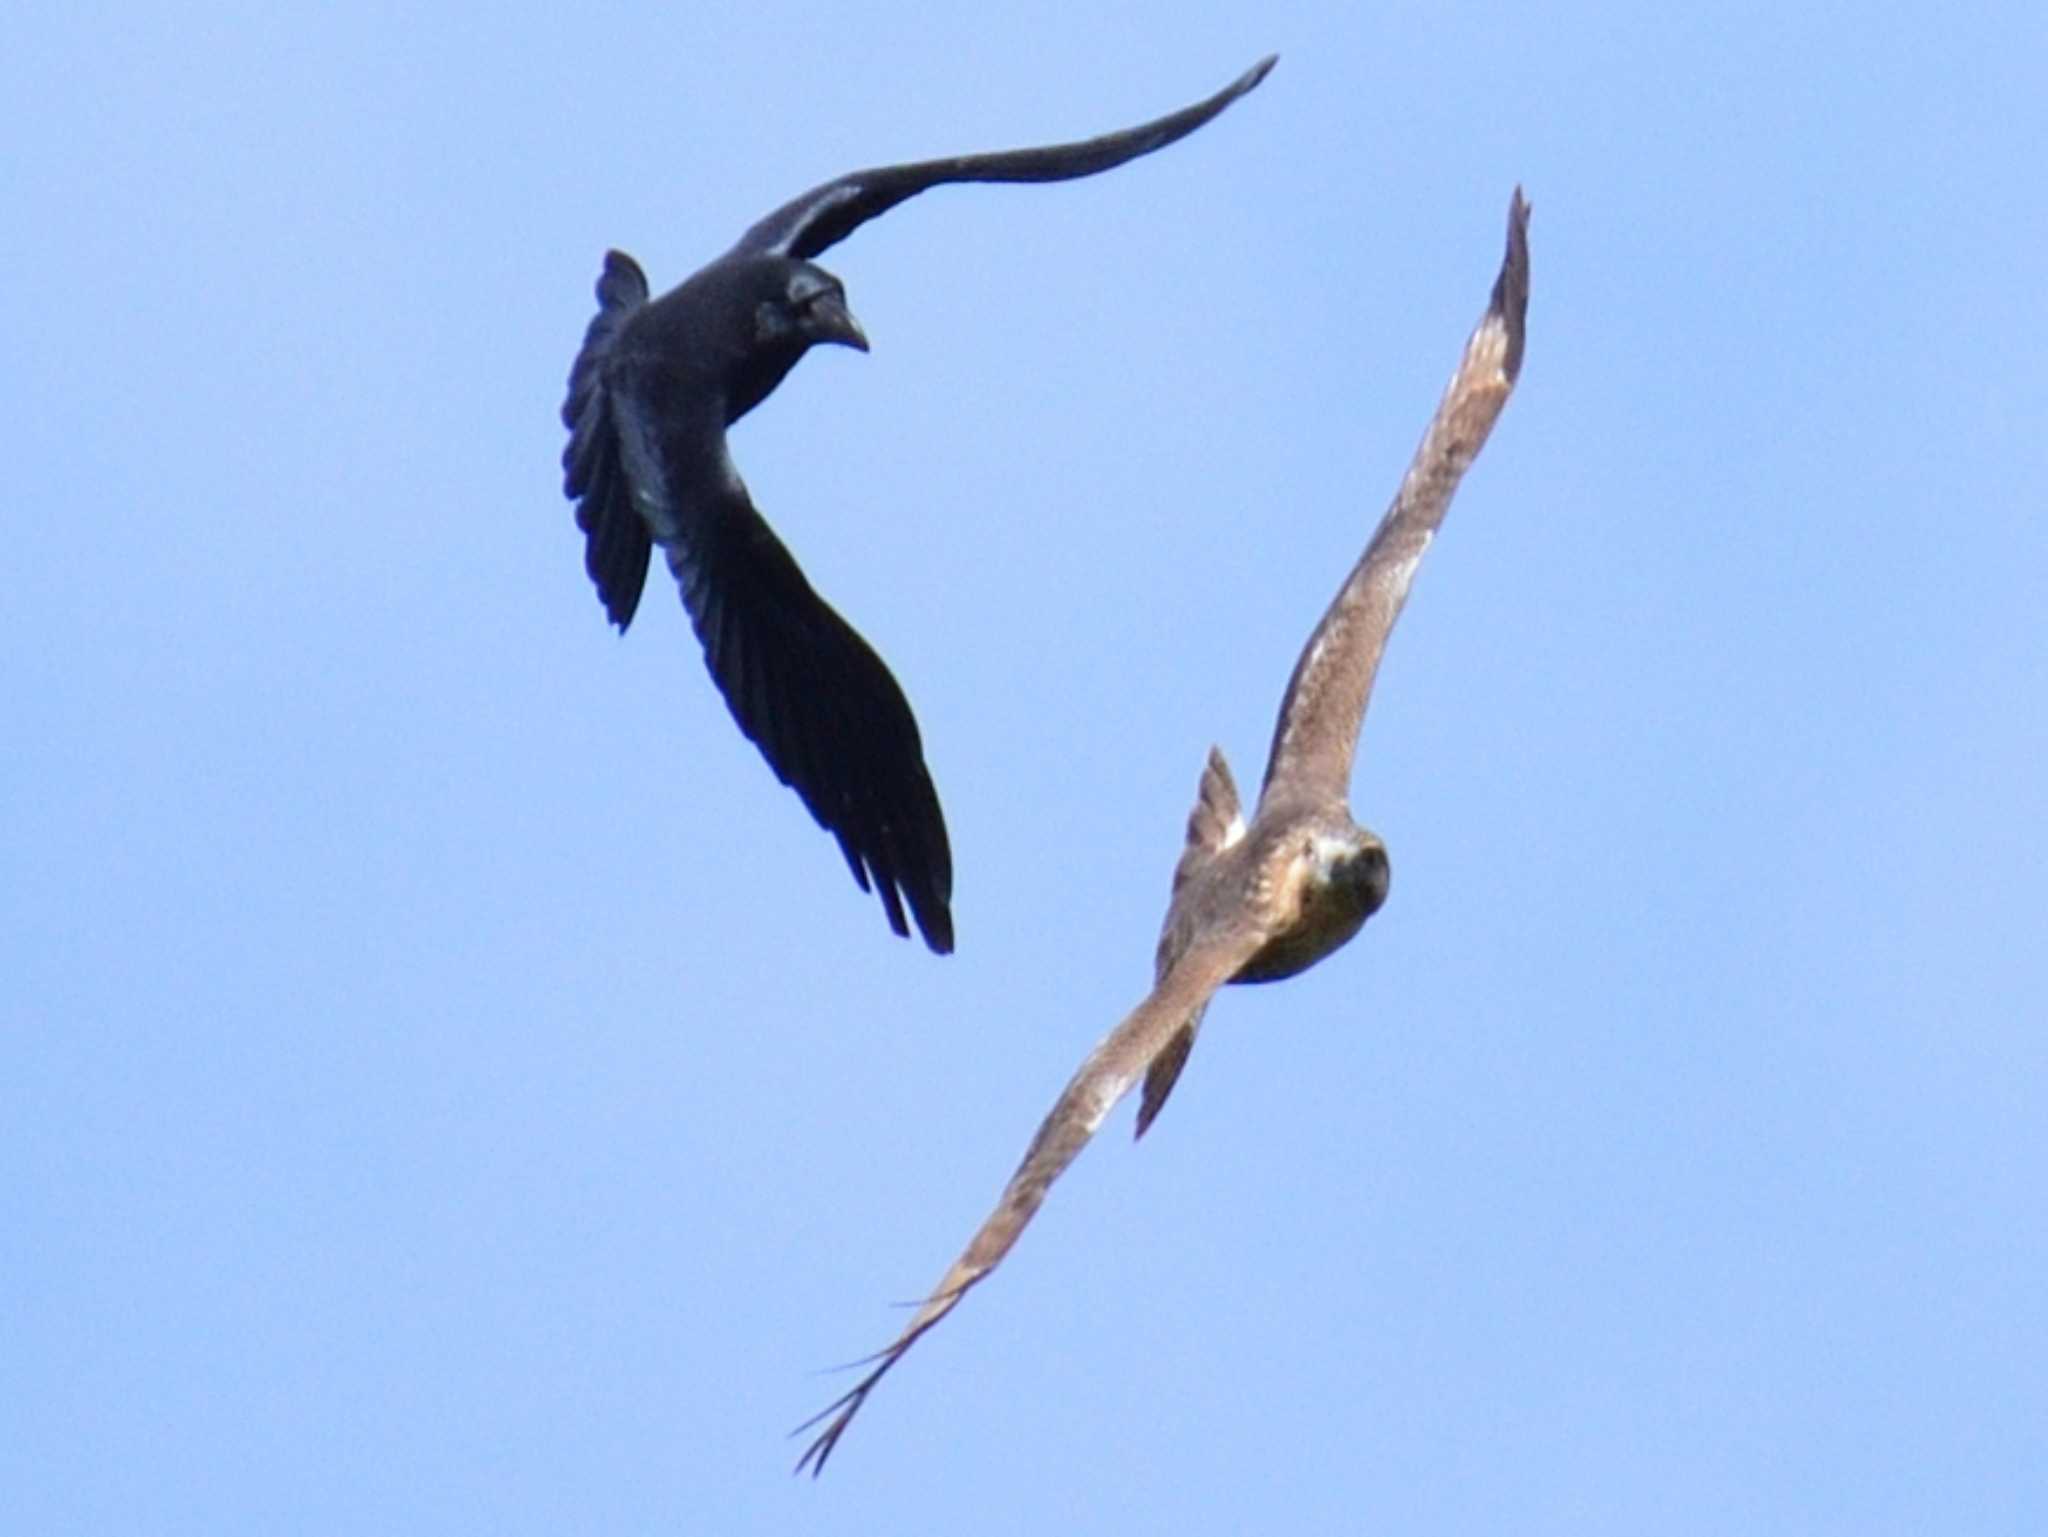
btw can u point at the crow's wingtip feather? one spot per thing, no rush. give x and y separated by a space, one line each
1257 73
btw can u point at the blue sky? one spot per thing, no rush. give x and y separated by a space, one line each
446 1085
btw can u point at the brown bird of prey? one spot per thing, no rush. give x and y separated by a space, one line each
652 392
1260 901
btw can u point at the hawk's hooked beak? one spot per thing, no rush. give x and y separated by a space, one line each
832 321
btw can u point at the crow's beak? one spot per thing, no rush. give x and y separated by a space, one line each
832 321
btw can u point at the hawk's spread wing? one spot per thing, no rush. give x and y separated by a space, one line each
826 215
1104 1078
1320 715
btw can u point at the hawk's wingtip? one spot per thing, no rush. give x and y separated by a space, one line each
1511 288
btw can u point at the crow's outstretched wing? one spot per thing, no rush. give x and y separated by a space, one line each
617 541
826 215
805 688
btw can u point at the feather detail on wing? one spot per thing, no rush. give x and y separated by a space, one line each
1216 822
823 708
616 538
1164 1072
1324 706
827 214
1103 1079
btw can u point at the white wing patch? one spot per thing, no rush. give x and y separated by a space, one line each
1400 575
644 473
1101 1101
831 198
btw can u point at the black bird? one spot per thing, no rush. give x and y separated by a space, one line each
650 397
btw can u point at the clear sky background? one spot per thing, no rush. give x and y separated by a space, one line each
448 1086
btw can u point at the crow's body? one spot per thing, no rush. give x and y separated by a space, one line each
651 395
